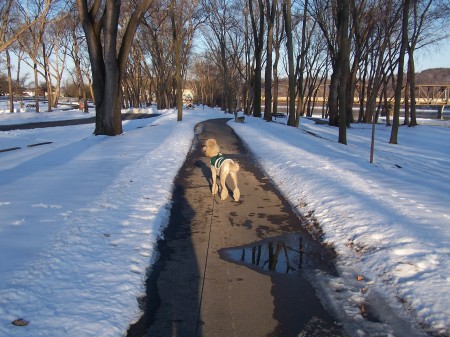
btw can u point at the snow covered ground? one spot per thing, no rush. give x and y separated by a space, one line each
80 217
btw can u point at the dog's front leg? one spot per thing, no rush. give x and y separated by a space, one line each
214 180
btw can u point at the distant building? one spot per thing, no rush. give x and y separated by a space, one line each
188 96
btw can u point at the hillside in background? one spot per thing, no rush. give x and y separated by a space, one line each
434 76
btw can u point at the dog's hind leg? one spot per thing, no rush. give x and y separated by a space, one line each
214 186
224 189
236 192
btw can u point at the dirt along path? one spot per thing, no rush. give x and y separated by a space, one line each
232 269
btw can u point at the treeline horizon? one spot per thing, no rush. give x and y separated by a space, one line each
230 52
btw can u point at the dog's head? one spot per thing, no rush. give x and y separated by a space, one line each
211 148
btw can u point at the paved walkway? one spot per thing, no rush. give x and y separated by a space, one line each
66 122
222 266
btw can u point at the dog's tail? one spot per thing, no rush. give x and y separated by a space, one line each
234 167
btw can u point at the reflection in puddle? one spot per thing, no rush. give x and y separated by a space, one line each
287 254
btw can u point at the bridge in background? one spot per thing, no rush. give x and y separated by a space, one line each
426 94
432 94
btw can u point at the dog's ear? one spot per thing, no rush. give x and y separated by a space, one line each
211 143
215 146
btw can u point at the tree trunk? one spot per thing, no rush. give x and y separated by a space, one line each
270 12
399 85
179 81
388 106
362 94
258 39
275 90
290 52
47 79
80 81
333 98
351 85
412 87
10 87
177 57
344 59
107 63
279 33
36 86
325 108
91 90
406 90
19 93
225 76
110 122
300 110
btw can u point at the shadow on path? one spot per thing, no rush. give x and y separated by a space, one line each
67 122
196 289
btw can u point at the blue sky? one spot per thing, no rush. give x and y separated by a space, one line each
434 57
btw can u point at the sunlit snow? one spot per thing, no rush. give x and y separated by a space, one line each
80 216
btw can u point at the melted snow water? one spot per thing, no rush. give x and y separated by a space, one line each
290 253
291 257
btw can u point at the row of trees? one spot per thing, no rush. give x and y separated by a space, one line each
127 53
352 48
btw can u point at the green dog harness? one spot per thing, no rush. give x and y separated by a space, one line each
218 160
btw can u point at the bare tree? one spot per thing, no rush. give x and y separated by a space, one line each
57 62
301 61
401 62
184 18
20 27
133 80
156 42
177 43
287 7
239 70
380 50
362 18
10 85
325 13
4 14
207 70
257 24
219 21
316 68
279 37
425 28
108 56
31 40
343 18
76 39
20 80
270 15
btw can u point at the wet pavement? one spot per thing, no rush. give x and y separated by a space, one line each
233 269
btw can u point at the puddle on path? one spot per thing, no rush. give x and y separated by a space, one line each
290 253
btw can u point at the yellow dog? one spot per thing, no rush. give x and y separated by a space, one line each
221 166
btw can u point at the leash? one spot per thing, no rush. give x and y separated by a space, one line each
204 268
